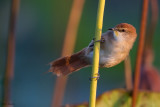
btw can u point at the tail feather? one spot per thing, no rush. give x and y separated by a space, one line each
68 64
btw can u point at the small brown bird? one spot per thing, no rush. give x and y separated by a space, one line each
115 45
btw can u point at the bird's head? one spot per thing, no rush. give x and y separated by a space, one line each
124 30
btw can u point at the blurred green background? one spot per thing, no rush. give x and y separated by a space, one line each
41 27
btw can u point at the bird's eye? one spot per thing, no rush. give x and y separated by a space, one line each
123 30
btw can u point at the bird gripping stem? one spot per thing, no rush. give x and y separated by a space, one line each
95 67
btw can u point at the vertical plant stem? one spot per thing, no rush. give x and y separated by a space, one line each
153 23
10 54
140 51
68 47
128 73
95 67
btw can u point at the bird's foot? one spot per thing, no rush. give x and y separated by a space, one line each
102 40
95 78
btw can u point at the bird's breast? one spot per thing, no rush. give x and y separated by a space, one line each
113 55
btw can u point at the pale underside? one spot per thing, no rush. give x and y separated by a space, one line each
113 50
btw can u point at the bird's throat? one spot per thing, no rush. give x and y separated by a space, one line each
116 33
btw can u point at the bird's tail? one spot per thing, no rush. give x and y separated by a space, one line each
68 64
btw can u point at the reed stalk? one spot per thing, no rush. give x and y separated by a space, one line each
68 48
95 67
142 34
128 73
9 70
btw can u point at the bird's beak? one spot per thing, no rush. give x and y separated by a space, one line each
111 29
114 30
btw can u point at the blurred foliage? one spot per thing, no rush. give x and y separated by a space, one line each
122 98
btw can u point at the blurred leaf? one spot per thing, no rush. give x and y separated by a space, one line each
122 98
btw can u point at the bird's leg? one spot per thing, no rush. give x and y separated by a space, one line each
96 77
92 43
102 40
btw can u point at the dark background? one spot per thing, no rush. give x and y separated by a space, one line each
41 27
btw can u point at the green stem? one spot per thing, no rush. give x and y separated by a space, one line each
98 32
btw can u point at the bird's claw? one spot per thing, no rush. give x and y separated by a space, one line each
102 40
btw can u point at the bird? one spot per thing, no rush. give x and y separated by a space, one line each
115 45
